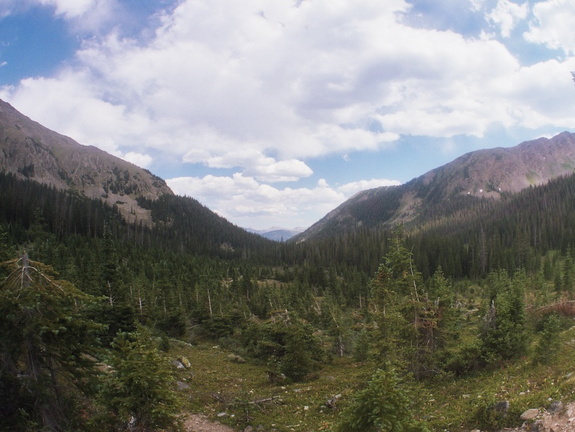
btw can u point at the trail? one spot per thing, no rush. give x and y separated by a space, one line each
200 423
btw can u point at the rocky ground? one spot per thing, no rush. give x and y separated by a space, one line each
199 423
556 418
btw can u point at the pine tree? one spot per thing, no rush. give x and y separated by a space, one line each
504 335
549 342
5 249
140 388
45 346
407 318
567 278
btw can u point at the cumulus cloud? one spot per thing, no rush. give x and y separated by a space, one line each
9 7
80 113
243 199
71 8
506 15
82 16
139 159
261 88
267 169
275 79
350 189
293 82
553 25
543 93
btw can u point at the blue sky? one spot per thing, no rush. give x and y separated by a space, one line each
272 113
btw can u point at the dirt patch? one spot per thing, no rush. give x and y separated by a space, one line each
200 423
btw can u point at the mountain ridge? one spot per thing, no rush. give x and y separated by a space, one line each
485 173
31 151
73 179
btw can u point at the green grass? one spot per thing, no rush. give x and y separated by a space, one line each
453 403
446 403
218 385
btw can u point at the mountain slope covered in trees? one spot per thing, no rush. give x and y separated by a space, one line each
490 173
28 150
32 153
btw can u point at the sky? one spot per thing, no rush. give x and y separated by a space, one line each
274 112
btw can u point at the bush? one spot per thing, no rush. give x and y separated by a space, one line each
297 362
382 406
361 349
139 390
173 324
463 360
491 414
549 342
290 348
504 336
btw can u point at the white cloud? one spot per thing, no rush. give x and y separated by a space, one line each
139 159
83 16
262 87
71 8
8 7
542 95
507 14
273 79
476 5
350 189
80 112
254 163
283 171
246 201
553 25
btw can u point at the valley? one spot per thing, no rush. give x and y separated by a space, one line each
444 304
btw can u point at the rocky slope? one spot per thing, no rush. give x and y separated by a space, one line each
556 418
479 174
28 150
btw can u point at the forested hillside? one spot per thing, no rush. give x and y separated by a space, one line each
490 173
29 150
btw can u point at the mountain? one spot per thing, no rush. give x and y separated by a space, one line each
482 174
278 234
28 150
76 178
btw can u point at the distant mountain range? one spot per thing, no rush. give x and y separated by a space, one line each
477 175
278 234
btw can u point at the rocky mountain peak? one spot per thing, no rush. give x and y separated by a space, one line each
28 150
488 173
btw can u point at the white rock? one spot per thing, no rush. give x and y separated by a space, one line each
530 414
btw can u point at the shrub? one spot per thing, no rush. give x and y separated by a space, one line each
549 342
139 390
382 406
289 348
361 349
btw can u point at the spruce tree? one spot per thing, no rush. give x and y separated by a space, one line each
45 347
408 319
140 389
504 334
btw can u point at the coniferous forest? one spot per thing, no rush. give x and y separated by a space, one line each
380 328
